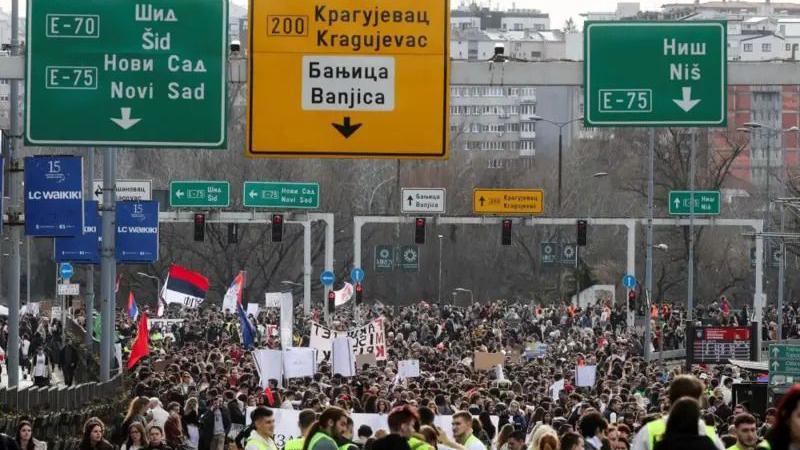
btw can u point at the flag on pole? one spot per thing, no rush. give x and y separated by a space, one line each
186 287
141 345
133 310
247 330
162 305
233 297
116 284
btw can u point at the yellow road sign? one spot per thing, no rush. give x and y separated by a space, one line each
507 201
348 78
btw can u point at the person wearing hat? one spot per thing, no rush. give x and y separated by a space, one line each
652 432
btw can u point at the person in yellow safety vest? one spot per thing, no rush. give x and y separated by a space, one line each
330 426
404 421
346 440
462 431
262 436
681 386
305 419
744 426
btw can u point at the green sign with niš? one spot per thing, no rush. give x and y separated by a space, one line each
207 194
784 364
655 74
280 195
126 74
705 203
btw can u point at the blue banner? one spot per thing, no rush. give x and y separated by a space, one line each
137 232
84 248
53 195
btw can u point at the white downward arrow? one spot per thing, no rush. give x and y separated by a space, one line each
125 121
686 103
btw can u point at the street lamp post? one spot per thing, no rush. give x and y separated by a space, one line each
158 285
471 297
560 126
439 285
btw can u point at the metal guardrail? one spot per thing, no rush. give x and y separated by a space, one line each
58 397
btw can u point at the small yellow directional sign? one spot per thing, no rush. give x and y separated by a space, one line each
348 79
507 201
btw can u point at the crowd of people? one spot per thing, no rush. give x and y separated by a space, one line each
200 389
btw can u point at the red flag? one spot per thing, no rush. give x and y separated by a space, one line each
141 345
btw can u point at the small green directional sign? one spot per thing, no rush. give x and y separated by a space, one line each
784 364
205 194
280 195
706 203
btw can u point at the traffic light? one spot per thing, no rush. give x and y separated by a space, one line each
582 228
277 227
359 294
331 302
419 232
233 233
631 300
199 227
506 239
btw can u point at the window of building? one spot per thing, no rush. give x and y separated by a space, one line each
766 47
748 47
788 47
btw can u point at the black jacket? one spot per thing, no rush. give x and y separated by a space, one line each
7 443
207 426
685 442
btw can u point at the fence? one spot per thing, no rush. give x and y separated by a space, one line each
58 397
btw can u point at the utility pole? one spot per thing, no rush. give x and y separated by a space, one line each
15 209
649 261
108 268
690 281
89 304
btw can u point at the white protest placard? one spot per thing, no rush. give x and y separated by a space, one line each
274 299
252 309
269 365
344 362
299 362
287 321
369 338
585 376
408 368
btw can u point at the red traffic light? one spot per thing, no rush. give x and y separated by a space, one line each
359 288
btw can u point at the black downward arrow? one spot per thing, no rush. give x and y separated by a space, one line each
410 199
482 200
346 129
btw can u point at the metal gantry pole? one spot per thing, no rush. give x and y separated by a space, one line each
690 281
108 266
89 304
307 268
649 260
439 284
15 205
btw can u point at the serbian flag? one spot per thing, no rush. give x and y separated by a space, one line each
141 345
185 287
133 310
233 297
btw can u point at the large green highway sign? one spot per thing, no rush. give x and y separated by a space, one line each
126 73
655 74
